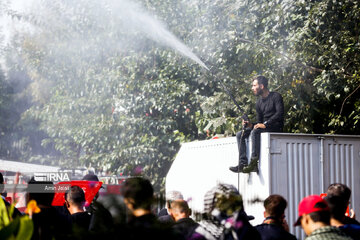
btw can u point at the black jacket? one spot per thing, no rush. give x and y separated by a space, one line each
273 232
186 227
270 111
148 227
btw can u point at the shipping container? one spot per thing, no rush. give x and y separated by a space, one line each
292 165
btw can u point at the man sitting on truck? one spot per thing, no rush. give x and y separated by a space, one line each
269 118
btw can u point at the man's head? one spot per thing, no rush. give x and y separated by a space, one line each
75 199
90 177
275 206
224 200
338 197
179 209
42 192
138 193
259 85
313 214
340 190
338 206
172 196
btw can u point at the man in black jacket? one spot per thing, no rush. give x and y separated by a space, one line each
269 118
74 202
138 196
274 226
181 212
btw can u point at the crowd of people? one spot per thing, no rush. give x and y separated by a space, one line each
224 216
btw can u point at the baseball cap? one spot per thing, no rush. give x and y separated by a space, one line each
307 205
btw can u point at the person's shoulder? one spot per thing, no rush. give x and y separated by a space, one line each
166 219
275 95
188 219
251 232
272 231
352 230
351 226
148 227
81 214
187 222
349 220
80 217
328 232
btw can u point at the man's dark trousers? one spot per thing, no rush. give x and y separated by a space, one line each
255 140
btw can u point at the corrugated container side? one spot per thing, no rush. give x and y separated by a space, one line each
300 171
292 165
342 165
312 163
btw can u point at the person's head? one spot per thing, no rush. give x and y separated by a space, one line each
340 190
222 201
179 209
338 206
313 213
275 206
259 85
172 196
75 199
42 192
338 197
138 193
92 177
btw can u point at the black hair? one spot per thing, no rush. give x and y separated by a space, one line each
337 205
140 191
275 205
75 195
339 189
321 216
90 177
262 80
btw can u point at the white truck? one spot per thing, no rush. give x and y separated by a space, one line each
292 165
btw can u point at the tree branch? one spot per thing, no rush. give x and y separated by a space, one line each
343 103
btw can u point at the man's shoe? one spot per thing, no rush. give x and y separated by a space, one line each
253 166
238 168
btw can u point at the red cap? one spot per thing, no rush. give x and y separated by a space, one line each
307 205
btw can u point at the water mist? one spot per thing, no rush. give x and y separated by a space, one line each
138 19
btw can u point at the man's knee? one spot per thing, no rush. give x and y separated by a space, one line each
239 134
257 131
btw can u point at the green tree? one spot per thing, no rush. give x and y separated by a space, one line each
109 93
307 49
